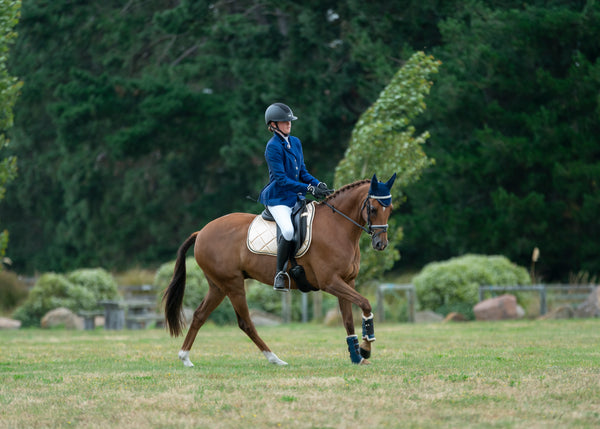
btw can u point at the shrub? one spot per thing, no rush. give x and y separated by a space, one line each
78 290
97 281
12 290
196 286
453 285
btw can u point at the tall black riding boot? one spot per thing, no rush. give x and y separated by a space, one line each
284 248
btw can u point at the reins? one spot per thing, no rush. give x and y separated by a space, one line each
370 229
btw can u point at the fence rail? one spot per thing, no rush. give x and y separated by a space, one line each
409 291
543 290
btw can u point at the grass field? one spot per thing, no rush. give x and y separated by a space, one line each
525 374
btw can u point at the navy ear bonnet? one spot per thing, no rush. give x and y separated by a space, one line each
381 191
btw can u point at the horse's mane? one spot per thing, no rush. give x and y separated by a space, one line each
345 188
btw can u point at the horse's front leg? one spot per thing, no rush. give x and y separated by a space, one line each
346 296
351 339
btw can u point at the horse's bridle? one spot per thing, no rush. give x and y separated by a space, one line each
370 228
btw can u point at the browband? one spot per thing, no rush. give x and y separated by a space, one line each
376 197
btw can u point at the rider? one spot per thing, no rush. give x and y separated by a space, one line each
288 181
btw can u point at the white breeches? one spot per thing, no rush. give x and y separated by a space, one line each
283 217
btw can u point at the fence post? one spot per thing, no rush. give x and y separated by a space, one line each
380 310
411 305
286 307
304 308
317 305
542 300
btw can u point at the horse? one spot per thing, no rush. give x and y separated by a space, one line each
331 265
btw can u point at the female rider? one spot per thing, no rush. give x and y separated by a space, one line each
288 181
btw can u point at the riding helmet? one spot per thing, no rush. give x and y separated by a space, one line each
279 112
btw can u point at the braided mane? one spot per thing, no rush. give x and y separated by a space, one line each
344 189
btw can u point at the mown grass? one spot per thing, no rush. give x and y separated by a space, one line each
524 374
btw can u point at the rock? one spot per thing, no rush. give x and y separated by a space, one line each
427 316
188 316
62 317
562 312
6 323
455 317
333 317
262 318
503 307
591 306
520 312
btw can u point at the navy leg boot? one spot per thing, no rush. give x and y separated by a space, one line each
353 348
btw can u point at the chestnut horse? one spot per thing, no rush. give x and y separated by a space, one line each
331 264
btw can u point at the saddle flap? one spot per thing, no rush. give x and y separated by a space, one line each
262 234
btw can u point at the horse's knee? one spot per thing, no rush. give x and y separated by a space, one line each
366 308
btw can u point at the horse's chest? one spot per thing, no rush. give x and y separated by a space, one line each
353 267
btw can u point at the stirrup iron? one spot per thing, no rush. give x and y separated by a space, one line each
285 288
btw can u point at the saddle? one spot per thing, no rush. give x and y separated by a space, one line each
263 231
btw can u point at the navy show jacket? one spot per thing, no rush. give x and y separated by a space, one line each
288 176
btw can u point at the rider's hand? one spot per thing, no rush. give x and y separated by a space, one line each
317 192
324 187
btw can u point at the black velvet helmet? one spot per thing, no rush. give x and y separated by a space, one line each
279 112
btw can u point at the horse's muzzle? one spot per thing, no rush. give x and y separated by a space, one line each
379 243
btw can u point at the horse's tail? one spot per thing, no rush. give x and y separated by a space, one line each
173 295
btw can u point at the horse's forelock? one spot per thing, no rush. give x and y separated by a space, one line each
346 188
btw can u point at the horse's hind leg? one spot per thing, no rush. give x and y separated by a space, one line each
238 300
213 298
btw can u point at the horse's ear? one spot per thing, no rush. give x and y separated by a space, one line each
374 181
391 181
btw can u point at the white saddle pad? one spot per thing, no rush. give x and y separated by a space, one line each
262 234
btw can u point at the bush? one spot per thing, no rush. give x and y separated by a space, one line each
453 285
12 290
78 290
196 286
97 281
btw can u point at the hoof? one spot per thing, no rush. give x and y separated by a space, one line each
185 358
364 362
365 353
272 358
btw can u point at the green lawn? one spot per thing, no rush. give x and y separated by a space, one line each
524 374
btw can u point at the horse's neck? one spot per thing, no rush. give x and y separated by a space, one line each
350 203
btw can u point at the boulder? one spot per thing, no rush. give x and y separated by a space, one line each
262 318
427 316
6 323
503 307
455 317
562 312
62 317
591 306
333 317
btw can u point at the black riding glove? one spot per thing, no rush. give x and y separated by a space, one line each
320 191
324 187
317 192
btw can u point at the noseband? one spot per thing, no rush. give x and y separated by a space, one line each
370 228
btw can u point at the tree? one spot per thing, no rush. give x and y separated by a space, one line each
142 122
9 91
383 143
514 120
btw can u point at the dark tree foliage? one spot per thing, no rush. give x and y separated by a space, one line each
141 121
514 119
